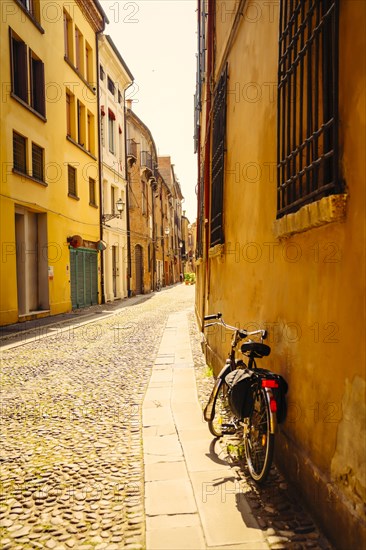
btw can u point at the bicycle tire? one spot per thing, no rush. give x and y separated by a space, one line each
222 414
258 441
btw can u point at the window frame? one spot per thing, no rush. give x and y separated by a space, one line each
72 170
37 93
92 192
307 109
111 132
17 167
42 172
218 159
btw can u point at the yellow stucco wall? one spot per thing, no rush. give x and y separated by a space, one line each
65 216
307 288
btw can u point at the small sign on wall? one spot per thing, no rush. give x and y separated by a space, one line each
50 272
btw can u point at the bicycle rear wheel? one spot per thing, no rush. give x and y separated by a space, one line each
222 415
258 441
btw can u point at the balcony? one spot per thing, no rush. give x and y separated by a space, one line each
131 152
146 160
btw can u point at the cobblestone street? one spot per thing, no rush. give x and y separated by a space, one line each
72 472
71 449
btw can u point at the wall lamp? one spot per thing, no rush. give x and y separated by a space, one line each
120 206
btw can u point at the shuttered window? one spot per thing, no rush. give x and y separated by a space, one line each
27 75
19 72
218 159
37 162
71 173
37 84
92 196
19 153
307 122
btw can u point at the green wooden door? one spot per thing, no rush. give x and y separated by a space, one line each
83 277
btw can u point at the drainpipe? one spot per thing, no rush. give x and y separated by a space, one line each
100 169
127 174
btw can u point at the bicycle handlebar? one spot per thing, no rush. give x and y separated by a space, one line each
215 316
242 332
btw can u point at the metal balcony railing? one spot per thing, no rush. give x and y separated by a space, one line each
146 159
131 148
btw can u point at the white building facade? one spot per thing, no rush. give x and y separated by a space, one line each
114 79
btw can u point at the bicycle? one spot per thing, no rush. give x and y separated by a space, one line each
256 405
158 286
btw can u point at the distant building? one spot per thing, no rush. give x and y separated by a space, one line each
142 165
114 79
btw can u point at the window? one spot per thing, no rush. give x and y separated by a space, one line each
88 63
111 131
307 139
101 72
18 51
71 173
111 86
113 200
119 97
81 123
218 159
144 198
92 195
68 114
28 82
37 83
90 128
19 153
32 6
79 51
67 36
37 162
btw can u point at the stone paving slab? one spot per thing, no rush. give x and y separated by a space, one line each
193 503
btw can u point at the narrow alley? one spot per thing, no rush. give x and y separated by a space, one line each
103 445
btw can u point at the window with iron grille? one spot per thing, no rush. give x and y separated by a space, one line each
92 195
101 72
111 86
19 153
307 122
37 162
218 160
71 174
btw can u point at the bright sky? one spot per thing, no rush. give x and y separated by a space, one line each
157 40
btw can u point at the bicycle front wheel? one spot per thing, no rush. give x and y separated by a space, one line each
222 415
258 440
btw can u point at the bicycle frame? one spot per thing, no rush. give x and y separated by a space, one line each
232 363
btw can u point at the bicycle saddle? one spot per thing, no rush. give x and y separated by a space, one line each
256 349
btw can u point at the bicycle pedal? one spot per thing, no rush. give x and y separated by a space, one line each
228 429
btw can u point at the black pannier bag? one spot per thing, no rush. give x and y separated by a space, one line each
240 392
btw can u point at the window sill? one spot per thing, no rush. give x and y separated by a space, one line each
93 205
91 88
28 107
28 177
30 16
327 210
216 251
81 147
73 196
